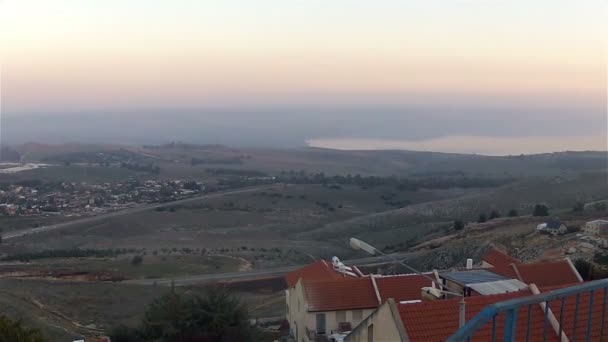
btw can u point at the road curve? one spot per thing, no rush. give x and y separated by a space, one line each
59 226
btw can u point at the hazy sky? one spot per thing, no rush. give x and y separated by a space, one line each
325 69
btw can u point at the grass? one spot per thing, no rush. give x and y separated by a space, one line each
75 173
66 311
161 266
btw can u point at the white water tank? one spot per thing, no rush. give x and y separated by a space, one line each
469 264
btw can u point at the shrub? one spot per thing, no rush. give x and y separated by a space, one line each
458 225
513 213
584 268
13 331
494 214
137 260
541 210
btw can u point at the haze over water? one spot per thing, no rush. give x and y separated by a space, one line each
471 144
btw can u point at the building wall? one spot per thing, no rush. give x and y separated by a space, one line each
296 312
384 327
299 316
331 322
485 264
596 227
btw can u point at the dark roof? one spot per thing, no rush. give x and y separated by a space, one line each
472 276
554 224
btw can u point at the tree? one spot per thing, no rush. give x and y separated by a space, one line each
13 331
541 210
482 218
137 260
458 225
584 268
601 206
513 213
578 207
217 316
494 214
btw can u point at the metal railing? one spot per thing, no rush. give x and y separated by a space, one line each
576 313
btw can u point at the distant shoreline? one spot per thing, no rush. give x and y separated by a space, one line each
490 146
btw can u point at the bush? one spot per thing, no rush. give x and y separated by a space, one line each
13 331
137 260
513 213
482 218
578 207
574 229
494 214
458 225
216 316
600 206
541 210
584 268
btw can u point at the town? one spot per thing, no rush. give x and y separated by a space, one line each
81 198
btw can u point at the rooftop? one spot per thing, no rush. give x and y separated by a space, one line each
317 271
497 258
359 293
472 276
436 321
548 273
355 293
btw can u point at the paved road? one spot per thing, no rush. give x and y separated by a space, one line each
91 219
255 274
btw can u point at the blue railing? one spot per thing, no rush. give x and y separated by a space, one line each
580 315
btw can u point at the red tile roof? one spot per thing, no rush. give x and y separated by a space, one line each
505 271
548 273
354 293
359 293
402 287
436 321
582 316
498 259
318 271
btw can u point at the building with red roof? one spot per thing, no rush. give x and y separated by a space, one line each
543 274
320 307
438 320
554 273
496 258
318 271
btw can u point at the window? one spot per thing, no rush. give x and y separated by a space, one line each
321 324
357 315
370 333
340 316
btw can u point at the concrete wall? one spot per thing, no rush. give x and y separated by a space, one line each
386 326
596 227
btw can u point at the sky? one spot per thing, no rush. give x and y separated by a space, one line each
291 71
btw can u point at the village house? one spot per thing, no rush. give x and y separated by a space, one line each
596 227
553 273
326 301
438 320
553 227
